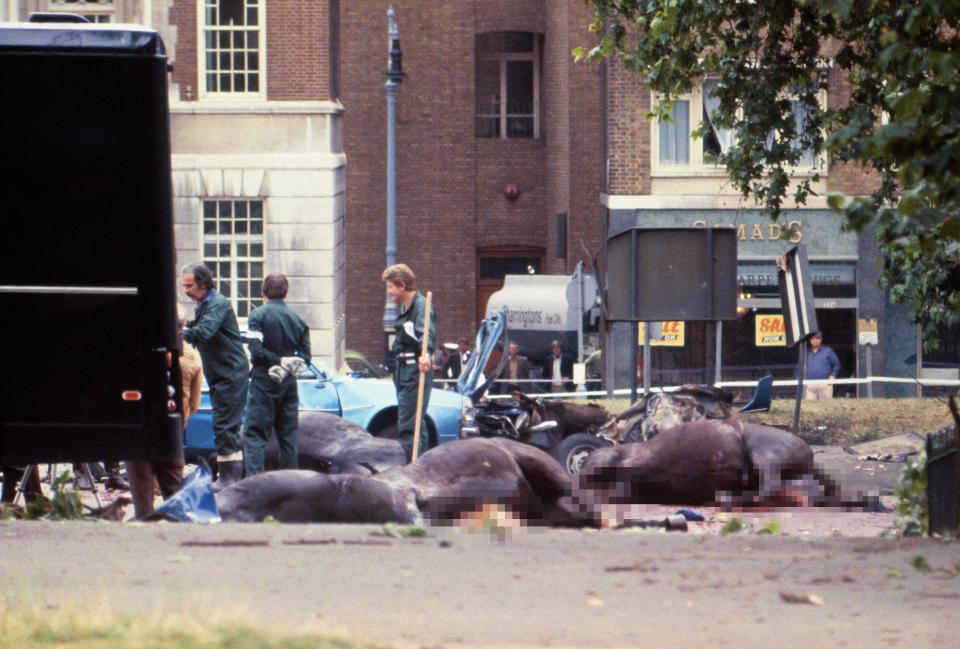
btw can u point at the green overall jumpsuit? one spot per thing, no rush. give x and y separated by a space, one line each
215 334
407 346
275 331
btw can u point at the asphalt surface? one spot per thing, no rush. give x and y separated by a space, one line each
534 588
825 579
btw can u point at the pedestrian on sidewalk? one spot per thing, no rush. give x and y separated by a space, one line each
822 363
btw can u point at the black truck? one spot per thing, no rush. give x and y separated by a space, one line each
87 279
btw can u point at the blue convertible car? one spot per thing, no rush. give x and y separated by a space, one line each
369 403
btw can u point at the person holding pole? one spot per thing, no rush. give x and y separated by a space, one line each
413 369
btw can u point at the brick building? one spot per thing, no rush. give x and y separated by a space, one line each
258 163
587 163
659 176
491 98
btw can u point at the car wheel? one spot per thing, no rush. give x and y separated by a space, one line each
573 450
388 432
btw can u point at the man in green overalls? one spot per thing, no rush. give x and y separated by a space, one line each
215 334
409 364
276 333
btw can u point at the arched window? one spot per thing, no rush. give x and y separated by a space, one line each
508 85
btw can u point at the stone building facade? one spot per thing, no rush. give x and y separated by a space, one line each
257 142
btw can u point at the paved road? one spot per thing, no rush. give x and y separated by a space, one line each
539 588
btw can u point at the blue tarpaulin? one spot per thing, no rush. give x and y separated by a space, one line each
194 503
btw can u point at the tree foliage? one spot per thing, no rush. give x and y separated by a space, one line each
901 63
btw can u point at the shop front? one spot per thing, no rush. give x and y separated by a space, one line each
753 344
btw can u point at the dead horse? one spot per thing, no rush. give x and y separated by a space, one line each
303 496
444 484
460 477
722 462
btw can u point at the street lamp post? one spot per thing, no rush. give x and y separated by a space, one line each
394 76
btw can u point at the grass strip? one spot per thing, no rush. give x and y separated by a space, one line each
23 627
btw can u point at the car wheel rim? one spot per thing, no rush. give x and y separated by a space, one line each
576 458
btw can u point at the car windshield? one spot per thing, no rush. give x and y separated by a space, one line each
310 372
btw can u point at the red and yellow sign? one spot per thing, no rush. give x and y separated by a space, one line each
770 331
664 334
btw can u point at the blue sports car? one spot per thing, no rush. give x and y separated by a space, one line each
369 403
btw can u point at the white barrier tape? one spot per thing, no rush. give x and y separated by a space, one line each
737 384
873 379
777 383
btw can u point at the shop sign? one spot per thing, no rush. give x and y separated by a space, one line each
821 274
867 331
664 334
791 232
770 331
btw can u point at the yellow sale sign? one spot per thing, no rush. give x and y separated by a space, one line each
770 331
664 334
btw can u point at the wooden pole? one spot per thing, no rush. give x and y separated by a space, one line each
425 351
802 361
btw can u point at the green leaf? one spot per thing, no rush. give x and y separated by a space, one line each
733 526
772 527
836 201
950 228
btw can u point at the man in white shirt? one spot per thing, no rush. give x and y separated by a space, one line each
558 369
457 361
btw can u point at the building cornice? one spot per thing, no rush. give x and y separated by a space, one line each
697 202
253 107
276 161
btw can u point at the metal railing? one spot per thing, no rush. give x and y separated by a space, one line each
943 481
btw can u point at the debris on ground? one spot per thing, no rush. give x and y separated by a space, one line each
792 598
691 515
226 544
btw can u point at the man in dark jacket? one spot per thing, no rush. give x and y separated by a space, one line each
215 334
409 362
515 371
453 368
558 369
276 333
822 363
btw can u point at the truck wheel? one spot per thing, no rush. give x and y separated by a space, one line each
573 450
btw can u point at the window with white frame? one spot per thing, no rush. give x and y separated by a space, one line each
675 149
232 35
233 245
507 85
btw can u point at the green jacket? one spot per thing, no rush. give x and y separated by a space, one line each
409 327
275 331
215 334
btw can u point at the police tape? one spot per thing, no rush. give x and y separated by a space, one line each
579 394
